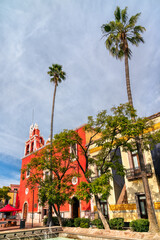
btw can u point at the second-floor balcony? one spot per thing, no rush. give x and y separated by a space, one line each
135 173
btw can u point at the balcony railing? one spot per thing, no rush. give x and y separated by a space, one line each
135 173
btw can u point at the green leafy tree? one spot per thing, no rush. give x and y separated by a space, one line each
119 34
56 76
4 193
117 130
58 190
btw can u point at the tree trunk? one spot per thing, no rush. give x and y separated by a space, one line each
59 219
51 135
128 85
52 115
58 214
153 225
49 220
104 221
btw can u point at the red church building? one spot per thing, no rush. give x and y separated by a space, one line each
31 210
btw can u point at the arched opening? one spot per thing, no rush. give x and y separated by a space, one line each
25 211
75 208
27 149
32 146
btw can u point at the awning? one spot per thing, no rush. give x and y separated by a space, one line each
9 208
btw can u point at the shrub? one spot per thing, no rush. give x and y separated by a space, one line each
98 223
54 220
45 220
77 222
140 225
116 223
84 223
68 222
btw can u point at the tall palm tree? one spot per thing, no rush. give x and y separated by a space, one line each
56 76
119 34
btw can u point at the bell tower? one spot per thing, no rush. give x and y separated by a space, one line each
35 140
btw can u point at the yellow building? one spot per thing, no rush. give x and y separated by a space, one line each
127 198
12 194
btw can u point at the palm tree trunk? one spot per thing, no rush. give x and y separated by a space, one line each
52 115
104 221
128 85
153 225
49 222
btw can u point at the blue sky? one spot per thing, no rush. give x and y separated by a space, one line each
35 34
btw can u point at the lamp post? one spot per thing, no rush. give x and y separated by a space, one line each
32 208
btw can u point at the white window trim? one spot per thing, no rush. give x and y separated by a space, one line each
73 159
27 174
47 170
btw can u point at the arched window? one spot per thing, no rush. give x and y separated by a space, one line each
25 207
75 208
27 149
32 146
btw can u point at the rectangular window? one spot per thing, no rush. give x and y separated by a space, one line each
44 212
62 214
46 175
104 207
73 151
135 159
98 172
142 206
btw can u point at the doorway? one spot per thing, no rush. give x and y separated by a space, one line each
25 211
142 206
75 208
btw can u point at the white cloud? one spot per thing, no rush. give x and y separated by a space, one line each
7 181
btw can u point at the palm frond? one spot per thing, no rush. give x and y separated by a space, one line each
119 26
121 31
132 40
136 39
56 73
133 19
124 15
120 54
117 14
129 53
106 28
139 29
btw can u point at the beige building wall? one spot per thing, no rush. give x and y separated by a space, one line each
130 211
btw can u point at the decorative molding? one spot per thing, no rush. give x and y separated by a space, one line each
74 180
122 207
96 149
156 126
125 207
157 205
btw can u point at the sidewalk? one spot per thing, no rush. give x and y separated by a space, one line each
27 226
111 234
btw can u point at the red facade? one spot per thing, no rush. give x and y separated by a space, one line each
29 198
